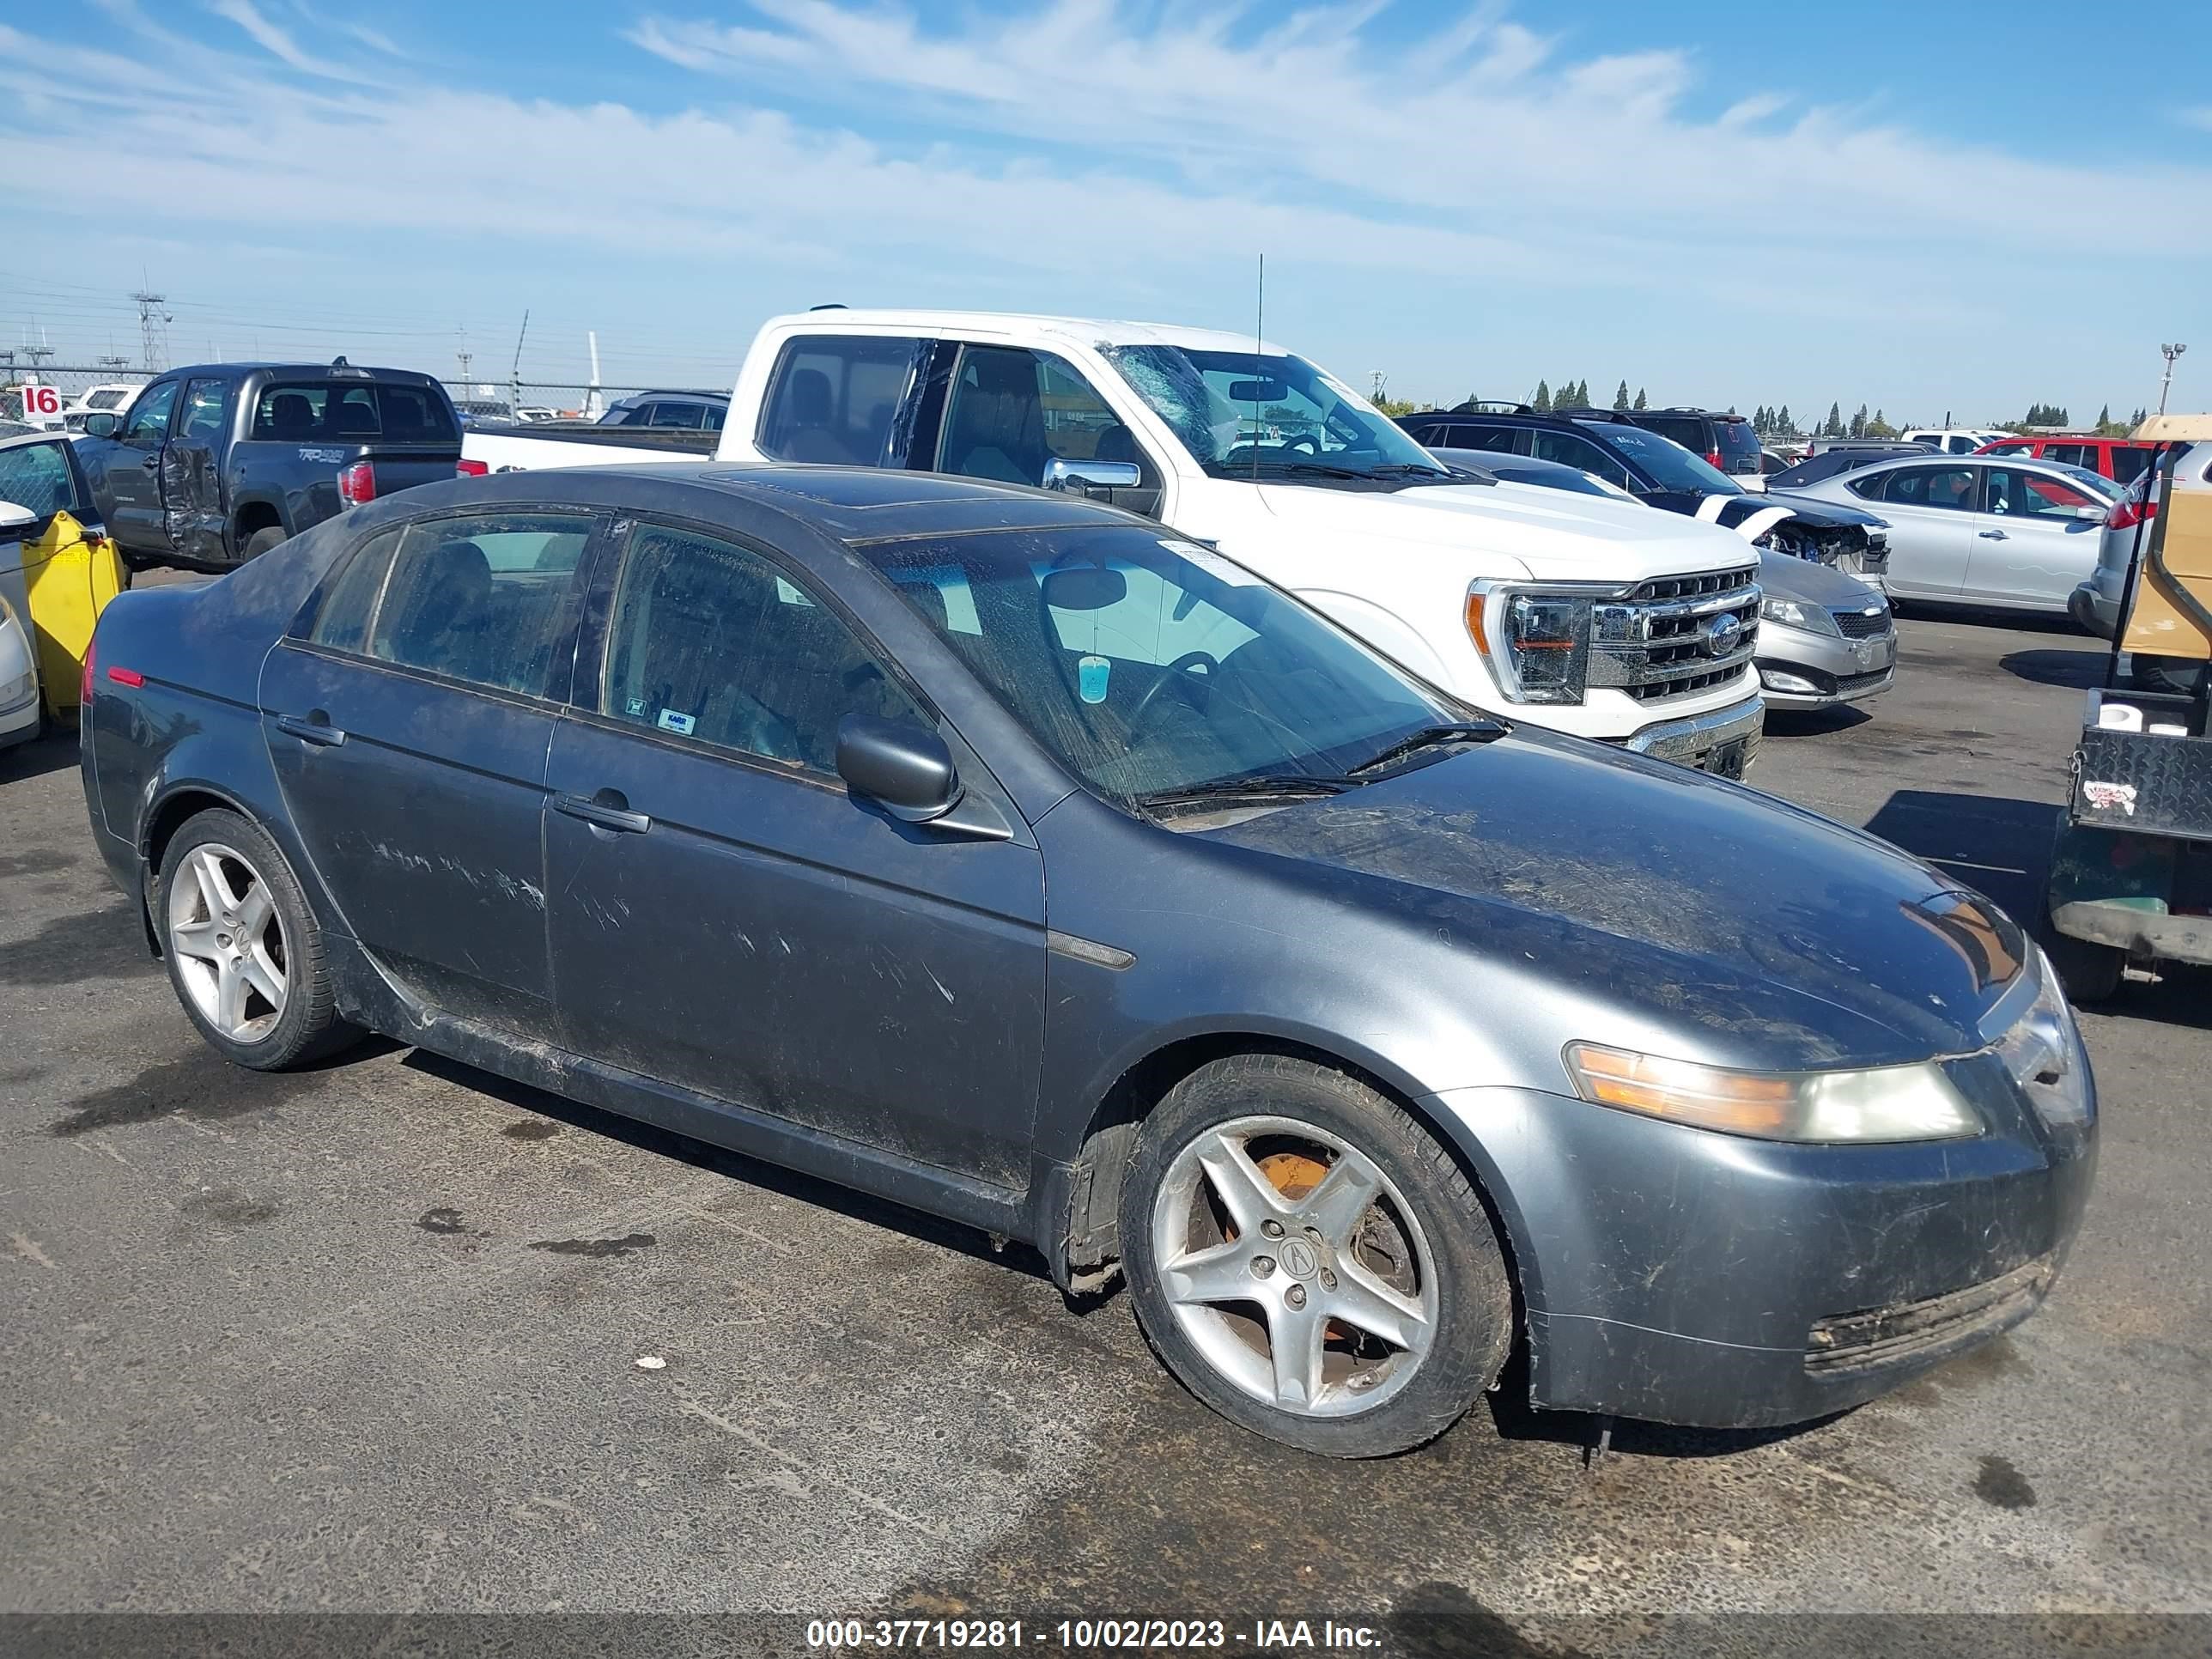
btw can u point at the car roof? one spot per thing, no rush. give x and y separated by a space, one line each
852 504
674 392
290 371
982 325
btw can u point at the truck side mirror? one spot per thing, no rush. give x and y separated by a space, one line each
1083 477
905 769
100 424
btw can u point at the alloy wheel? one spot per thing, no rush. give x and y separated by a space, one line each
1295 1266
228 942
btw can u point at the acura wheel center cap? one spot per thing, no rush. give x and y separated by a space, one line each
1297 1258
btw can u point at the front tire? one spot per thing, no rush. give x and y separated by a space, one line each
244 951
1309 1262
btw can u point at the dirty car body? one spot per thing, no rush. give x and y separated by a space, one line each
559 864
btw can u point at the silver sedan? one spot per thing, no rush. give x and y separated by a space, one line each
1999 531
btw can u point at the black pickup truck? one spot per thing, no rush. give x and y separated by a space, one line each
217 464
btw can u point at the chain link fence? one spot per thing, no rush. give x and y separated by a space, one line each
489 399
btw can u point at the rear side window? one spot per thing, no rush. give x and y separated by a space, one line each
690 416
1499 439
483 597
835 397
711 642
2073 455
346 412
342 623
37 478
1949 487
2129 463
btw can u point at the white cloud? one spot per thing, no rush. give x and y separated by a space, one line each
275 41
2199 116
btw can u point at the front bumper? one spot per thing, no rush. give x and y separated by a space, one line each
1800 669
1724 742
1681 1276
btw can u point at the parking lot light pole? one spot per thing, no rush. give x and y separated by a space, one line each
2170 352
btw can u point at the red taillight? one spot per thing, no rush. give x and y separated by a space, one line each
357 483
84 685
130 677
467 468
1713 460
2127 514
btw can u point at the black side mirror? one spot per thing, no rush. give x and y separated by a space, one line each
903 768
102 425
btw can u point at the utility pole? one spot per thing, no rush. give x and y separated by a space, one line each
153 331
463 356
2170 353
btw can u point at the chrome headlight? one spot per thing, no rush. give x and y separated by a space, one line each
1537 644
1797 613
18 690
1885 1103
2043 1055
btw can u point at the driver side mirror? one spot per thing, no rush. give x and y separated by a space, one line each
905 769
1083 477
2091 514
102 425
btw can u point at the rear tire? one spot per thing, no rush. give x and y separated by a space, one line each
243 948
261 541
1364 1267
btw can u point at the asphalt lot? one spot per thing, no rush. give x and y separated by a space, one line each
369 1338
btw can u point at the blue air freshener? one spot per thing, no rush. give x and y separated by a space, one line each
1090 675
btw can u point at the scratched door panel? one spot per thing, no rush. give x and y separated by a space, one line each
423 824
766 940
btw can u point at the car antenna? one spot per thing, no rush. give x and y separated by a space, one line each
1259 329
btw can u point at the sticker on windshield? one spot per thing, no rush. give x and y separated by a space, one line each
670 720
1221 569
1091 674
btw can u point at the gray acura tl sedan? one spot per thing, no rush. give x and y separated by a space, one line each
1006 856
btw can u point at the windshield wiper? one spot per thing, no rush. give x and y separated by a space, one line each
1428 738
1409 470
1314 469
1281 785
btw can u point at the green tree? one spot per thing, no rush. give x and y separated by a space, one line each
1879 427
1835 428
1782 424
1620 396
1541 402
1640 402
1858 422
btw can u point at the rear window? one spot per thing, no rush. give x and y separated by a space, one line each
1686 430
1739 447
342 411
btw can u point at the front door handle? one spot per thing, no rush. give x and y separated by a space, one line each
315 728
608 810
1995 536
153 462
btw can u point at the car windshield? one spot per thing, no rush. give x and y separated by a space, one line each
1671 466
1150 666
2096 482
1241 412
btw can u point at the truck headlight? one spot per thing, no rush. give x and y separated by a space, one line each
1797 613
1536 644
1886 1103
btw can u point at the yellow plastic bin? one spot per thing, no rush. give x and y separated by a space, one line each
68 576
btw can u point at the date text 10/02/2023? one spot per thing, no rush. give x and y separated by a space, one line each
1080 1635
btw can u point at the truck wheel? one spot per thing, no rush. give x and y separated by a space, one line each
244 951
1309 1262
261 541
2090 972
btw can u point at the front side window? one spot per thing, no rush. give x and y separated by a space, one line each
203 406
1499 439
1581 454
483 597
37 478
835 399
148 424
1244 414
2034 495
711 642
2129 463
1147 665
1947 487
1010 410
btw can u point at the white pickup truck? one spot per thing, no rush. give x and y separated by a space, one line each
1596 618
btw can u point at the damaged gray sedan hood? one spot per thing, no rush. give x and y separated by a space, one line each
1639 904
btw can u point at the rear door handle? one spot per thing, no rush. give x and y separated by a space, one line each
315 728
608 810
1995 536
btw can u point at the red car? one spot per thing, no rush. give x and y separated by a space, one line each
2121 459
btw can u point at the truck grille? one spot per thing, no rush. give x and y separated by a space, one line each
1677 635
1862 625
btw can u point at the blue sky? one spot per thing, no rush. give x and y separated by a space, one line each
1928 207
